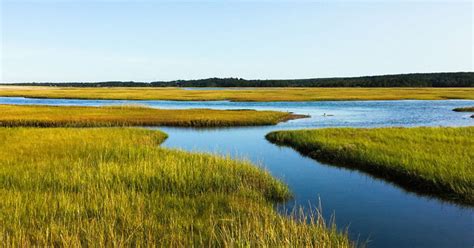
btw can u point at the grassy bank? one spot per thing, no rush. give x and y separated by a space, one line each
436 161
115 187
69 116
253 94
465 109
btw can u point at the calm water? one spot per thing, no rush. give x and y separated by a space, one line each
371 208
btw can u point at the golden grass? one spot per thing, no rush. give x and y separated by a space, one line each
70 116
114 187
437 161
254 94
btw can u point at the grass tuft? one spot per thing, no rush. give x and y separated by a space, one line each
464 109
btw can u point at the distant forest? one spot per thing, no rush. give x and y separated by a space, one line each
451 79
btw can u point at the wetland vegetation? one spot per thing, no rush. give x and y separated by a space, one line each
253 94
75 116
433 160
464 109
117 187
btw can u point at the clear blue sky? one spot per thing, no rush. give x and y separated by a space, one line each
144 40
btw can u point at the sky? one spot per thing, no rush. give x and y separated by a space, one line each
92 40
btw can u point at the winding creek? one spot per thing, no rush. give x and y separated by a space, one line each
371 208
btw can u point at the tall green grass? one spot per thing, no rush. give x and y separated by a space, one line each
438 161
106 187
73 116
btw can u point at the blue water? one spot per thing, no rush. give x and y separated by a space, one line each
371 208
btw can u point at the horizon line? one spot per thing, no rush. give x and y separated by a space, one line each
240 78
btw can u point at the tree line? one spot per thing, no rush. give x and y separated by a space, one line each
449 79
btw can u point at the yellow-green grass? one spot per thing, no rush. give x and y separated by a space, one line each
247 94
73 116
109 187
438 161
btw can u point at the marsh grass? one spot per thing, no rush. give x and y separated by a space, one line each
464 109
437 161
254 94
73 116
106 187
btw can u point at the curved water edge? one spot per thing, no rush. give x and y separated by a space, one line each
374 208
397 180
390 216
